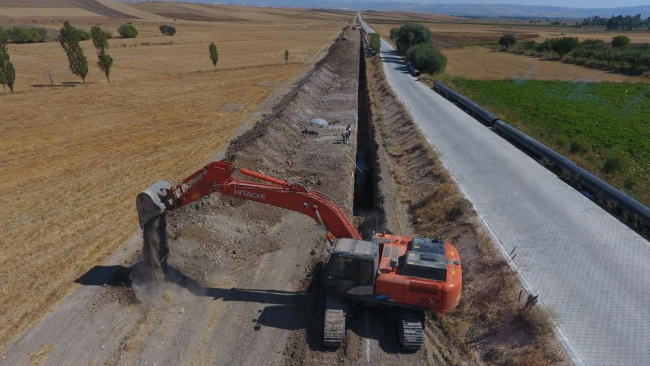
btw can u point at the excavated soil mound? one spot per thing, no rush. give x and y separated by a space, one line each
228 230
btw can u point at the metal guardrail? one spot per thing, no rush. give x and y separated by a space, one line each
478 112
636 212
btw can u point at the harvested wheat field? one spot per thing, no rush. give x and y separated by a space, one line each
483 63
73 157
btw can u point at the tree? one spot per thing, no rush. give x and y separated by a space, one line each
7 72
84 35
100 40
127 31
508 40
426 58
410 35
620 41
69 40
530 45
105 62
167 30
286 56
4 36
214 55
394 32
561 46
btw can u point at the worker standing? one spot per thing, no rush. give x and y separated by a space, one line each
346 134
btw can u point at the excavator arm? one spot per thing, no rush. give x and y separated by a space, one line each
218 177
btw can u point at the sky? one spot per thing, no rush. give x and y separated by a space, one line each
563 3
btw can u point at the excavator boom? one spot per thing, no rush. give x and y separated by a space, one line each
217 177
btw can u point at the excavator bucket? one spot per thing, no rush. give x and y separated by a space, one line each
153 201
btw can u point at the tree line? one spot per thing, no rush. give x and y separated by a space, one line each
18 34
618 23
69 38
619 55
23 35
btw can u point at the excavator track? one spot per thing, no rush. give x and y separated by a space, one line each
411 329
334 331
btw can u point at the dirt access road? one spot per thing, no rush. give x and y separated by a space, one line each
238 262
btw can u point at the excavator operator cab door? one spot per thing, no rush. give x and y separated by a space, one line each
351 268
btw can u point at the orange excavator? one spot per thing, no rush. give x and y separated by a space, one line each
404 276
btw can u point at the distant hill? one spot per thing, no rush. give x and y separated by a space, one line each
467 10
530 11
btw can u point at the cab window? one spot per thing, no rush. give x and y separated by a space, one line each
342 274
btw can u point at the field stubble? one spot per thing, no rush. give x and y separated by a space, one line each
485 64
72 159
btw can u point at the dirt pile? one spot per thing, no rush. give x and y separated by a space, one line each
226 231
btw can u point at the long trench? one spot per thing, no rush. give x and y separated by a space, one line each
367 202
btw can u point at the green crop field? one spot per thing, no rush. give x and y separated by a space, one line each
604 127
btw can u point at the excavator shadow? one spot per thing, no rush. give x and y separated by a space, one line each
115 275
282 311
372 324
289 310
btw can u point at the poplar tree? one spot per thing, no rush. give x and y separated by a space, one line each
69 40
104 60
214 55
7 72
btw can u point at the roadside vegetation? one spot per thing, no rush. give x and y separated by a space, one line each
601 126
415 41
619 56
375 41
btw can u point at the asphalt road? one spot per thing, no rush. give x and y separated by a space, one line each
590 268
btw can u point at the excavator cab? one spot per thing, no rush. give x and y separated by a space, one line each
351 268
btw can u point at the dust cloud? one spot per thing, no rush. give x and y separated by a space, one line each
154 282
